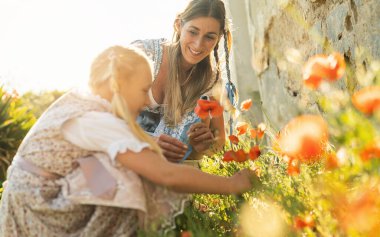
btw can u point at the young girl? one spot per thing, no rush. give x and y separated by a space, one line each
87 169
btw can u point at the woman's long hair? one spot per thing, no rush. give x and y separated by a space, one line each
181 98
114 64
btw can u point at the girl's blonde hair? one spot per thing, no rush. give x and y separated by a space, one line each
108 69
183 97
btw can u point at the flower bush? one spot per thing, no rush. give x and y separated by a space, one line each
320 173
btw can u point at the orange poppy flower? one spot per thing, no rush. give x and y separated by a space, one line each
241 127
293 167
254 152
304 138
234 139
318 67
312 82
332 161
245 105
208 109
300 223
261 130
367 100
359 211
253 133
371 151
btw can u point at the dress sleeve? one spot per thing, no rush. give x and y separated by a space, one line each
102 131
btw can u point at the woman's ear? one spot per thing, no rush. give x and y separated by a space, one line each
177 25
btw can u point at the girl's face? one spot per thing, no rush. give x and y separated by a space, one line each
135 89
198 38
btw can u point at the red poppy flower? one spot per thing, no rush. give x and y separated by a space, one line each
367 100
228 156
293 167
254 152
300 223
318 67
304 138
234 139
208 108
186 234
241 127
245 105
371 151
238 156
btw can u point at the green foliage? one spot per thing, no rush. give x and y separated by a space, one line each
17 115
15 121
39 102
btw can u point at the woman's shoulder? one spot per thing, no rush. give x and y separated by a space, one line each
150 45
154 49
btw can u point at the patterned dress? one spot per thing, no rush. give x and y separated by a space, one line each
32 205
152 119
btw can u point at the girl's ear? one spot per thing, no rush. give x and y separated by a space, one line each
177 25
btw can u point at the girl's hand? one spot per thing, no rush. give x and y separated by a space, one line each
173 149
244 180
200 136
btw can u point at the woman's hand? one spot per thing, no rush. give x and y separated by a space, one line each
200 136
244 180
173 149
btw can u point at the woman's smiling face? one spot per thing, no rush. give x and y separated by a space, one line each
198 38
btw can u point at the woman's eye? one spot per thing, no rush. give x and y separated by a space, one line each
193 32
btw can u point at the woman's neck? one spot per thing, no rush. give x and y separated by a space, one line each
186 67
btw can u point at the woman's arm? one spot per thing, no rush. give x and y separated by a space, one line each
183 178
207 137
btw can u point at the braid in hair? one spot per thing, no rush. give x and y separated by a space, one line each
230 85
216 55
227 54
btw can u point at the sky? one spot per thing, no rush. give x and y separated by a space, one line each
50 44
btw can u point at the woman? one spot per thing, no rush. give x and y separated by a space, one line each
184 70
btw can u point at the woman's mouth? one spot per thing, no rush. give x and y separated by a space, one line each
194 52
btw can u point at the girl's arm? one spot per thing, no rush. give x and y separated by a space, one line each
183 178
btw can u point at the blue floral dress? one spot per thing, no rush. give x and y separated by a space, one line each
152 119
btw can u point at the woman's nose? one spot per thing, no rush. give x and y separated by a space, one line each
198 42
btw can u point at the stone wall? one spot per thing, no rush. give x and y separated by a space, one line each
274 38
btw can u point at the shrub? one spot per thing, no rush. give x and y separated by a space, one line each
15 121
